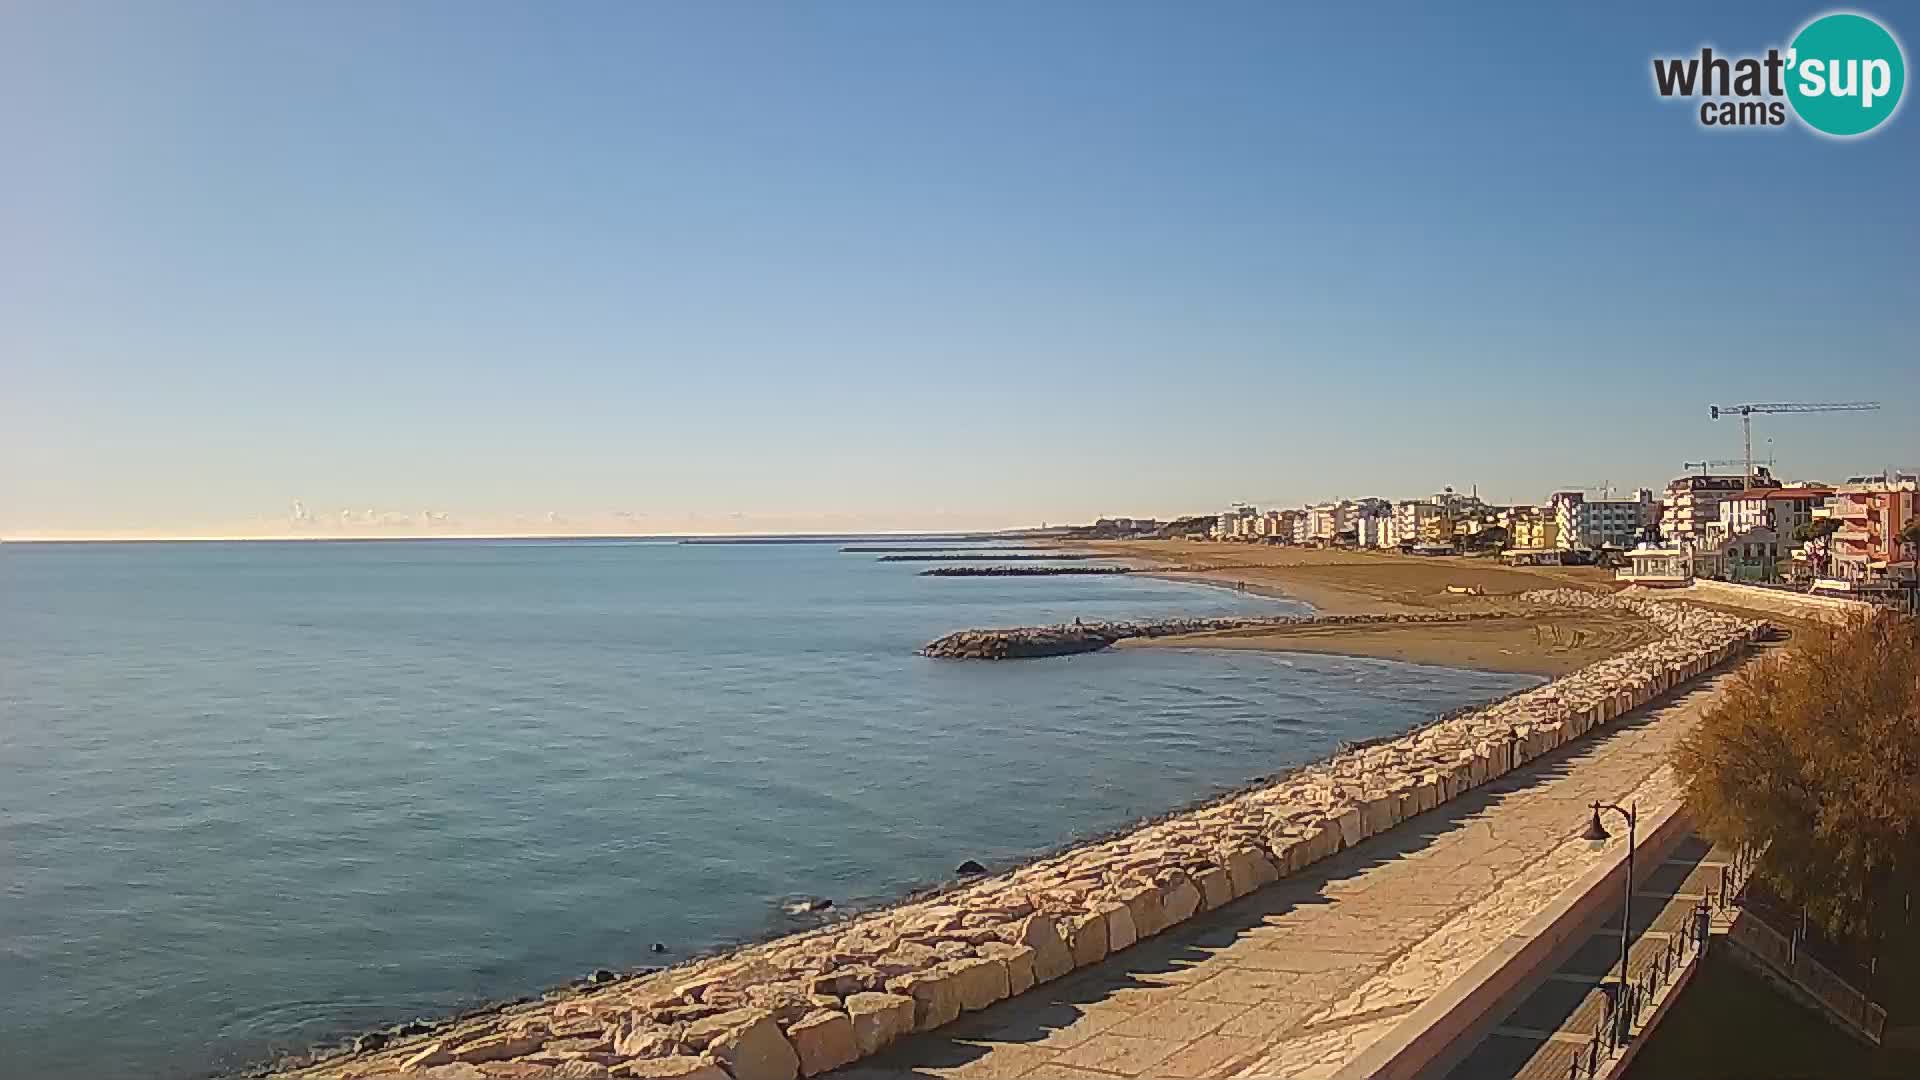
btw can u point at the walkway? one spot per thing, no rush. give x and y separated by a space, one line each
1551 1034
1296 979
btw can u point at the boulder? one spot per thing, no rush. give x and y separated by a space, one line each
823 1040
1179 900
1019 962
1216 887
1121 933
1248 868
878 1019
905 959
936 997
1353 826
755 1049
979 981
1087 935
843 981
1051 957
1143 903
434 1053
1380 813
678 1067
636 1036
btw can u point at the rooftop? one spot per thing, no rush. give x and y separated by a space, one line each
1785 493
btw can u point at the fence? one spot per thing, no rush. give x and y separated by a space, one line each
1631 1001
1834 993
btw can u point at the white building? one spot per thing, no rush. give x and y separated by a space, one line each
1415 520
1588 524
1368 529
1780 509
1325 521
1693 503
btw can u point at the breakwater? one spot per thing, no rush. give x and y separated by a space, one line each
1028 642
873 549
1024 571
1065 556
811 1002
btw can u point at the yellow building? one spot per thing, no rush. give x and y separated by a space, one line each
1535 530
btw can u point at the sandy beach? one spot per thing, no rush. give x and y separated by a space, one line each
1533 640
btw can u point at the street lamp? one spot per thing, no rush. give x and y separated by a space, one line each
1596 834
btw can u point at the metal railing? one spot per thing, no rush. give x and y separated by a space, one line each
1629 1002
1787 953
1734 877
1835 993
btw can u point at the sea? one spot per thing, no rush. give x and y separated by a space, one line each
257 797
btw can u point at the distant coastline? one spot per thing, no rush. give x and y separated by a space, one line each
660 538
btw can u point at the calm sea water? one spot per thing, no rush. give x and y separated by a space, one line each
254 796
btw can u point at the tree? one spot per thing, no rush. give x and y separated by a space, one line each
1815 754
1820 531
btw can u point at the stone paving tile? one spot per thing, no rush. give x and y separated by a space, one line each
1180 1020
1296 979
1206 1057
1252 986
1123 1054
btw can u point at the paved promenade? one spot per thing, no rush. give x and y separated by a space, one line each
1550 1035
1296 979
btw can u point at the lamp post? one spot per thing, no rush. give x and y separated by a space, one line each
1596 834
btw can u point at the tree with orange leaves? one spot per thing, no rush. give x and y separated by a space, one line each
1815 754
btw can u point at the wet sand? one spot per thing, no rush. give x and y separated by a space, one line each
1533 640
1538 642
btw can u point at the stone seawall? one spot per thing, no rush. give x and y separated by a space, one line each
1027 642
811 1002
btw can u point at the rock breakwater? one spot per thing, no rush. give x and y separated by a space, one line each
1022 571
811 1002
1064 556
1027 642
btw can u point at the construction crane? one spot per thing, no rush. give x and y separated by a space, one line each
1745 412
1718 463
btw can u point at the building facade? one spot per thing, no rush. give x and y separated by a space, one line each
1533 528
1590 524
1871 516
1693 502
1418 521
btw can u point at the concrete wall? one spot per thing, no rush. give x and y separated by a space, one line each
1776 601
1433 1038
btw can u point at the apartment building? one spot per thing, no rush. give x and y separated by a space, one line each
1693 502
1781 509
1533 528
1872 515
1417 521
1326 521
1588 524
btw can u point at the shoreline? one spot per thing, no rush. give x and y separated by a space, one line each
1509 638
321 1058
814 1000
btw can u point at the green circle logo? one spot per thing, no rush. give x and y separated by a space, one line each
1845 74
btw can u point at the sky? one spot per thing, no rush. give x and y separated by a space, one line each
837 266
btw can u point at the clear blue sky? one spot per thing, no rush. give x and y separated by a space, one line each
904 263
